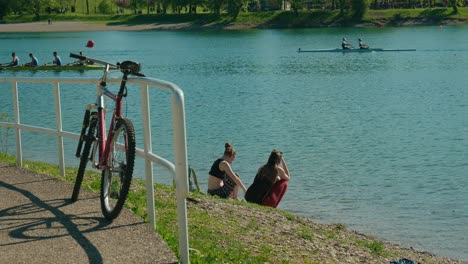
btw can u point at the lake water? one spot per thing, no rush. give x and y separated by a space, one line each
377 141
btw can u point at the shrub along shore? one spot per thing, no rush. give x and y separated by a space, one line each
228 231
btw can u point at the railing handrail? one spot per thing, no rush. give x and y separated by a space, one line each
179 170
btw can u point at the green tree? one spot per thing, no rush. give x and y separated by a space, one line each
193 5
134 6
73 7
297 5
342 6
177 5
122 4
3 8
36 8
63 6
104 7
215 6
359 8
150 4
455 4
163 5
234 7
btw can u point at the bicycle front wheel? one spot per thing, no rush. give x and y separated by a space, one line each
117 176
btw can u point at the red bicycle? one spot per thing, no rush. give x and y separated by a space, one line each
116 152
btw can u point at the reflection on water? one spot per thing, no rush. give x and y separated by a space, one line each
377 141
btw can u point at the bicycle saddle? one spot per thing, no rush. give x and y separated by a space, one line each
130 67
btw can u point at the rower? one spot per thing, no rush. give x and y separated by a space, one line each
57 61
34 61
14 61
362 45
81 62
345 44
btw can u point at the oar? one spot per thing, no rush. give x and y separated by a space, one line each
3 66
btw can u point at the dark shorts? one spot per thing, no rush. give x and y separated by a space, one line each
226 190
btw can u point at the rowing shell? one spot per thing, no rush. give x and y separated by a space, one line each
54 68
354 50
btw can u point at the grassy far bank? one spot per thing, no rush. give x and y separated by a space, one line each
226 231
271 19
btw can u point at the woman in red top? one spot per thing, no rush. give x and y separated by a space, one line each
271 181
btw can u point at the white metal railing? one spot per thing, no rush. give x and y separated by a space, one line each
179 171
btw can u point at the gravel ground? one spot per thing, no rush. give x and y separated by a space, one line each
38 224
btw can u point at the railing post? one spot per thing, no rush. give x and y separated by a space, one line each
181 169
145 111
19 150
58 123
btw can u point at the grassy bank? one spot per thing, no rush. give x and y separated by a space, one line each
226 231
272 19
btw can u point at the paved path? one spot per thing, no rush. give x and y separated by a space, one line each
38 224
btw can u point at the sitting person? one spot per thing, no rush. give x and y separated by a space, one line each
222 181
345 44
82 62
270 183
14 61
363 45
57 60
34 61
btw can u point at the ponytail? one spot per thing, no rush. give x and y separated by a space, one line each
229 150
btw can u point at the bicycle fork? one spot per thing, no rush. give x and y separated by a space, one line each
83 135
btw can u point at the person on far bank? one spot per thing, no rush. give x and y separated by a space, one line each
271 182
362 45
34 61
222 180
57 60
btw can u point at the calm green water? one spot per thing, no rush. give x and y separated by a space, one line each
376 141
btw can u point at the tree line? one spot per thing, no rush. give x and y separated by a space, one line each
356 8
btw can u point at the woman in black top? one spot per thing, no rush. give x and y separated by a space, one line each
222 181
270 183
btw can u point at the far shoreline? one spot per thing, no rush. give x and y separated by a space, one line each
84 26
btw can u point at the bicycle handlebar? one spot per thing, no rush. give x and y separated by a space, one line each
127 67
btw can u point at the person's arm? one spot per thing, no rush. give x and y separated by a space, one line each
224 165
284 171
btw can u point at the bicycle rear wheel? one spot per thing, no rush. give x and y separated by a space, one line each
89 140
117 176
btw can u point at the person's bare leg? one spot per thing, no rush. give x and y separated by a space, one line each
234 193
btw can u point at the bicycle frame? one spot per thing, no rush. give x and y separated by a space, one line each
104 143
116 167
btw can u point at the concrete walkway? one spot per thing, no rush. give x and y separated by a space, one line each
38 224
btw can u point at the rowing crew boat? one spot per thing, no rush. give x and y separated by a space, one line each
354 50
53 68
